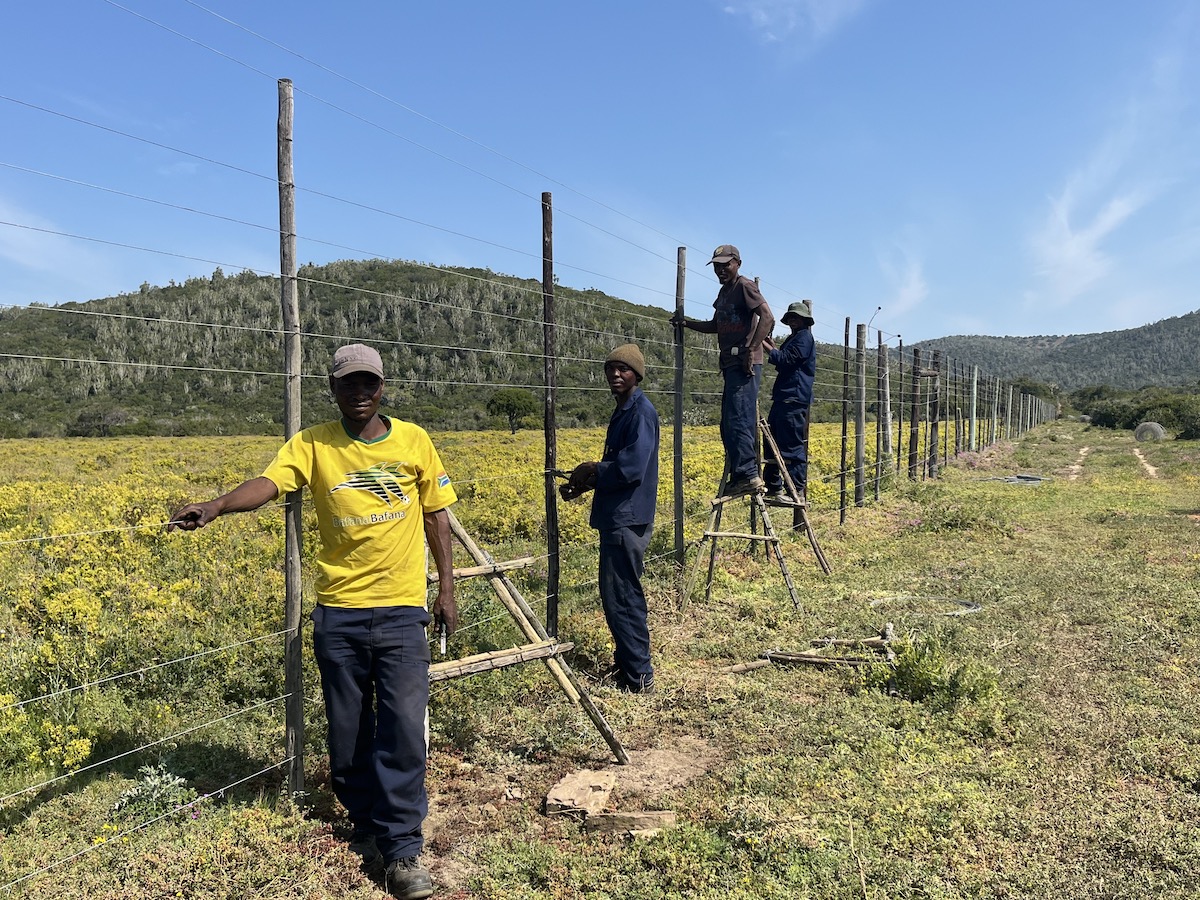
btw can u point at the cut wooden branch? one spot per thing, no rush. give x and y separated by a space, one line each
880 644
491 569
745 667
873 643
816 659
496 659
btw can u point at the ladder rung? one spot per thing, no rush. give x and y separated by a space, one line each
740 534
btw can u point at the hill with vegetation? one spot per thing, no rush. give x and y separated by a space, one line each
204 356
1164 353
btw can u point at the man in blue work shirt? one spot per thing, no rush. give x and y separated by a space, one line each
796 360
626 484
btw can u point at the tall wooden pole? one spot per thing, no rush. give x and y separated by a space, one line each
550 355
680 278
935 413
293 666
899 402
946 390
880 368
860 415
972 433
957 404
1008 415
914 415
845 421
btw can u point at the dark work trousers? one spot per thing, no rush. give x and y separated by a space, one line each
622 552
739 421
788 421
374 667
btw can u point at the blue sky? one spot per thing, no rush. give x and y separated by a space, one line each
1011 168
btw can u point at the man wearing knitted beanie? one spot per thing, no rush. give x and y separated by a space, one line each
625 480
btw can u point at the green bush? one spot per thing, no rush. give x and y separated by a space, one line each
155 793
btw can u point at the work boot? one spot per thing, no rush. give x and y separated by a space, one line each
363 846
640 684
407 879
751 485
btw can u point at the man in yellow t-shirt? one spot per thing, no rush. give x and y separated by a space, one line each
380 493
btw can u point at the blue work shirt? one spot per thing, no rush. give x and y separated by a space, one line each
796 360
627 474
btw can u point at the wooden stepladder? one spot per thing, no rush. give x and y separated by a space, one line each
796 500
540 646
758 512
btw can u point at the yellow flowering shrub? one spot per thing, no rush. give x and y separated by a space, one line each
95 588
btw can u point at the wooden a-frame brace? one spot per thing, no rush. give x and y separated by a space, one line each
758 507
540 646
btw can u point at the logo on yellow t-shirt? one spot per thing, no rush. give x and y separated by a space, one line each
380 479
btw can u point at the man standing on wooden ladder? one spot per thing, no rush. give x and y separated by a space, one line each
626 483
380 492
741 321
796 361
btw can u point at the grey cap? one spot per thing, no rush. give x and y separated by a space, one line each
356 358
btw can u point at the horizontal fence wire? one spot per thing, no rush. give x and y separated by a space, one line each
119 756
658 335
141 826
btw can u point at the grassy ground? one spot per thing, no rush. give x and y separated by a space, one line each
1039 736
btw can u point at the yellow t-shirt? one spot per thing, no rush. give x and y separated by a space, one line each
369 496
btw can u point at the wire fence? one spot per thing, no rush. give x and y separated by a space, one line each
880 413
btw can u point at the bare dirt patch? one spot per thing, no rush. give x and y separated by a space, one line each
1075 468
1152 471
654 772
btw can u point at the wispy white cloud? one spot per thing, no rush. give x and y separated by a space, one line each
1084 234
1070 246
38 256
904 272
782 21
27 241
181 169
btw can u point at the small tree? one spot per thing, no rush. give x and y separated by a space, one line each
514 403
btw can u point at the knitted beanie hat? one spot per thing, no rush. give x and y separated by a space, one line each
630 355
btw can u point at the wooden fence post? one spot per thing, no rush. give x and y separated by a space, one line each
973 439
860 414
883 423
550 427
899 403
1008 415
935 413
677 449
914 415
956 402
845 420
293 674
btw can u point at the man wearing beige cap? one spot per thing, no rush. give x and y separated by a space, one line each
796 361
380 492
741 321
